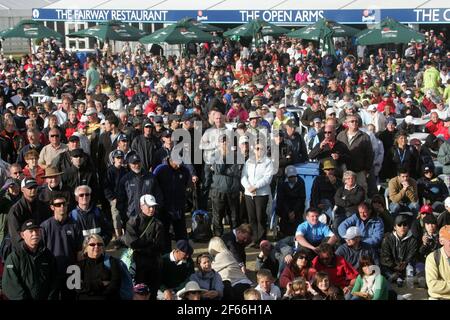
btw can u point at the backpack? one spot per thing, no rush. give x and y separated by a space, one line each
201 226
126 282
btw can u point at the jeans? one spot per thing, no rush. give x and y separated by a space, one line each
395 207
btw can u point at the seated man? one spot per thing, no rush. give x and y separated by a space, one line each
347 198
177 267
236 241
341 273
432 189
324 188
437 268
403 193
370 227
30 271
398 249
311 233
353 248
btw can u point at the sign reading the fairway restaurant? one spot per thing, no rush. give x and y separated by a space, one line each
291 17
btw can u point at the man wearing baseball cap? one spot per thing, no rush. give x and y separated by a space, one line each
353 248
437 268
30 270
145 235
444 218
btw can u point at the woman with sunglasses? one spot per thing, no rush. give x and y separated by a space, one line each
100 274
300 266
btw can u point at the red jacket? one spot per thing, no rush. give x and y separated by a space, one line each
341 273
39 174
434 127
288 275
428 104
383 103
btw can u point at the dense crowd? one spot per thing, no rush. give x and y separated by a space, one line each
124 149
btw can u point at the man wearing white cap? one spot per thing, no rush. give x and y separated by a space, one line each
144 234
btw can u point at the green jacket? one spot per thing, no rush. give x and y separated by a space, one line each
380 291
175 276
29 276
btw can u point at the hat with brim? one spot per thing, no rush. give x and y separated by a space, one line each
148 200
328 164
51 172
254 115
191 286
29 225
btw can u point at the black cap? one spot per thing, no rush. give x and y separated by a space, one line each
122 137
158 119
184 246
74 138
118 154
148 124
166 134
134 159
186 117
29 225
76 153
402 218
430 219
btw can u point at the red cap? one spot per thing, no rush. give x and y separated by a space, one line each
426 209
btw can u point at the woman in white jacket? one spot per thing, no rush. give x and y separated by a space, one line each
234 280
256 177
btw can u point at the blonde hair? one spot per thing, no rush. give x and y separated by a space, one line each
89 238
264 274
252 293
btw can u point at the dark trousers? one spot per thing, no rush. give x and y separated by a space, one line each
148 271
257 216
178 222
235 292
220 202
206 185
243 216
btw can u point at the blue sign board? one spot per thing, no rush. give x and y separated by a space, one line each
287 17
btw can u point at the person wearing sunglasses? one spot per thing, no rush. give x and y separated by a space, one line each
63 237
300 266
49 154
398 249
89 217
100 273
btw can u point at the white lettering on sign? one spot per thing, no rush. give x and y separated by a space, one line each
427 15
105 15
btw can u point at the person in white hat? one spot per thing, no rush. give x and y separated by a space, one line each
145 235
191 291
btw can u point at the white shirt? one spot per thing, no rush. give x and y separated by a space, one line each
274 293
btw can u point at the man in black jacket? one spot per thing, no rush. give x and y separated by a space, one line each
63 237
28 207
299 152
173 179
236 241
225 187
30 271
398 249
145 235
146 146
53 185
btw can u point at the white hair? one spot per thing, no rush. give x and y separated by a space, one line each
84 186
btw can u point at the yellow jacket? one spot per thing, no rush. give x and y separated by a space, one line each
438 277
397 194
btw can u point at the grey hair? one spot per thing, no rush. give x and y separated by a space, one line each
349 173
84 186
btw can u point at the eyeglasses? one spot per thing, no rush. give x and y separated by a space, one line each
54 136
99 244
59 204
82 195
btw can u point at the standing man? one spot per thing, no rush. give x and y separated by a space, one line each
92 78
146 146
62 236
49 154
30 271
145 235
360 150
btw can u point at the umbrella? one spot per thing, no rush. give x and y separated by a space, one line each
182 32
111 30
31 30
317 30
202 26
256 28
388 31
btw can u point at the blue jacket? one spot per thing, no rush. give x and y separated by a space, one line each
64 240
372 231
92 221
131 187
